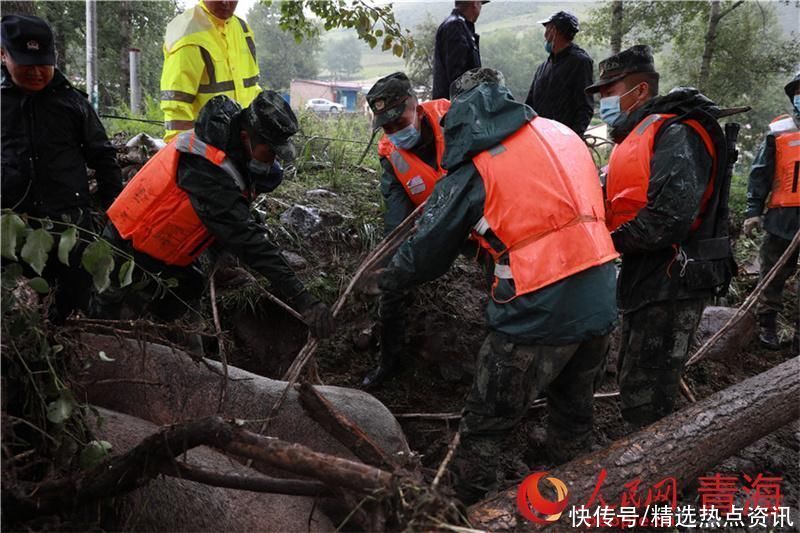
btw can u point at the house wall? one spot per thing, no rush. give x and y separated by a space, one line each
301 92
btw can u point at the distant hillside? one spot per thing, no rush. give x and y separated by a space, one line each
500 15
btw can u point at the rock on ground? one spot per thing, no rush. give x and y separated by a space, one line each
171 504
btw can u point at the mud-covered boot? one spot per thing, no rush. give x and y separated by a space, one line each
767 331
388 368
392 348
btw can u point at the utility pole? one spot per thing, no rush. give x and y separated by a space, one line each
136 89
91 51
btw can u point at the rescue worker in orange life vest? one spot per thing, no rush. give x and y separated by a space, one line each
196 192
662 207
552 303
411 155
774 175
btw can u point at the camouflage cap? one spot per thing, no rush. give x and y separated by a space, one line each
637 58
273 121
387 98
472 78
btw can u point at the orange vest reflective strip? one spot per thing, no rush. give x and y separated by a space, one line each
787 168
416 177
156 215
545 204
629 170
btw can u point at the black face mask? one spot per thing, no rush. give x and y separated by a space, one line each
266 178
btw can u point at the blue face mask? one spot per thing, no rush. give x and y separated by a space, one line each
610 112
548 47
406 138
796 102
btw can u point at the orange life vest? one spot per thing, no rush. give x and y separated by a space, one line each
544 204
156 215
629 170
416 177
787 163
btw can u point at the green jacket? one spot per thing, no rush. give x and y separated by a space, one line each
395 198
572 310
680 169
780 221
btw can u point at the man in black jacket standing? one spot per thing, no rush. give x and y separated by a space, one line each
557 90
50 134
457 47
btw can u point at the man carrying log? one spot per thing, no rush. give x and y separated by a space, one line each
197 192
526 188
411 157
666 209
774 174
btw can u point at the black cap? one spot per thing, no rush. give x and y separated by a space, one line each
637 58
387 98
791 87
29 40
565 22
271 119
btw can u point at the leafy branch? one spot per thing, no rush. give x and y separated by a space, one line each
298 18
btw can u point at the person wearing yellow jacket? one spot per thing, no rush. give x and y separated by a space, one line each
208 51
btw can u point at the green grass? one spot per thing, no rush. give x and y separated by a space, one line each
131 127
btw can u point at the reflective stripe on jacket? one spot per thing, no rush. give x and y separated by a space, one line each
416 177
156 215
543 214
204 57
787 163
629 170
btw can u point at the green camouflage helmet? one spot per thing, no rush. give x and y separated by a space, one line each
387 98
271 119
472 78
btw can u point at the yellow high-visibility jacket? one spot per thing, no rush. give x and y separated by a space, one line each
205 56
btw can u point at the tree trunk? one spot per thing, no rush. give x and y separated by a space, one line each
714 17
681 446
17 7
616 26
163 386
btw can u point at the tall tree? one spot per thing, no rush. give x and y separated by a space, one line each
343 57
419 63
734 51
616 26
120 26
280 57
715 16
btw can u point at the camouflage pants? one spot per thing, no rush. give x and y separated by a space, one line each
771 301
654 348
509 376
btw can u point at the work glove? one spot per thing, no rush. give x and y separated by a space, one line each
319 320
751 224
369 282
316 314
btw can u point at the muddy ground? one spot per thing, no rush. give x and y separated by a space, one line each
446 329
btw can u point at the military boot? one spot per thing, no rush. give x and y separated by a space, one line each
767 331
392 348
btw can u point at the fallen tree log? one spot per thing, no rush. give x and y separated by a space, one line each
343 429
682 446
146 500
186 390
